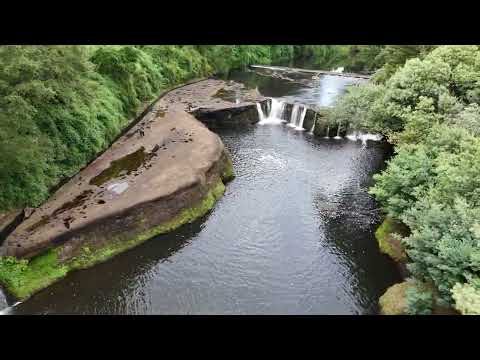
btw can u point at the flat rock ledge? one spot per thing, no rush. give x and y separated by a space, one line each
167 170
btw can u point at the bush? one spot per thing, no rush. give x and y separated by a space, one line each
467 299
419 300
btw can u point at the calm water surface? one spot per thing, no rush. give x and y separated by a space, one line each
294 234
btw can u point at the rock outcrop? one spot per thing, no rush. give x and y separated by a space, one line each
167 170
394 300
218 104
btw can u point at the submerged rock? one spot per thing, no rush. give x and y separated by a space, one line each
167 170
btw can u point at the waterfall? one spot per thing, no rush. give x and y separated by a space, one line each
363 137
328 133
276 113
275 109
297 117
293 116
313 125
261 115
338 132
301 119
353 136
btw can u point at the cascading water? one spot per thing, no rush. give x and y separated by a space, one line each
328 133
301 119
363 137
313 125
261 115
293 116
275 110
297 117
276 113
338 132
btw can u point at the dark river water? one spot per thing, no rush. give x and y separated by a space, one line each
294 234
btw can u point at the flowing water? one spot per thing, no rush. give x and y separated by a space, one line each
294 233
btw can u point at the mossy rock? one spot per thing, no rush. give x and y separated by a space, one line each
228 173
394 300
390 244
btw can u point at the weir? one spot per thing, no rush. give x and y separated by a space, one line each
309 71
277 112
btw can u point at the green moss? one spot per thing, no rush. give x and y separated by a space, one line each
389 243
22 278
124 165
228 174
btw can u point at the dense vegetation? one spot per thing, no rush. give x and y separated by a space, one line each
426 101
62 105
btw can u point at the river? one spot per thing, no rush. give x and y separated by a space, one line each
294 233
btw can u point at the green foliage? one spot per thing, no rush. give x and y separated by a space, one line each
467 299
324 57
444 245
392 57
225 58
22 277
357 108
419 300
363 58
131 74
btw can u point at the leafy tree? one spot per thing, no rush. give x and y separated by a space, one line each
419 300
392 57
467 298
